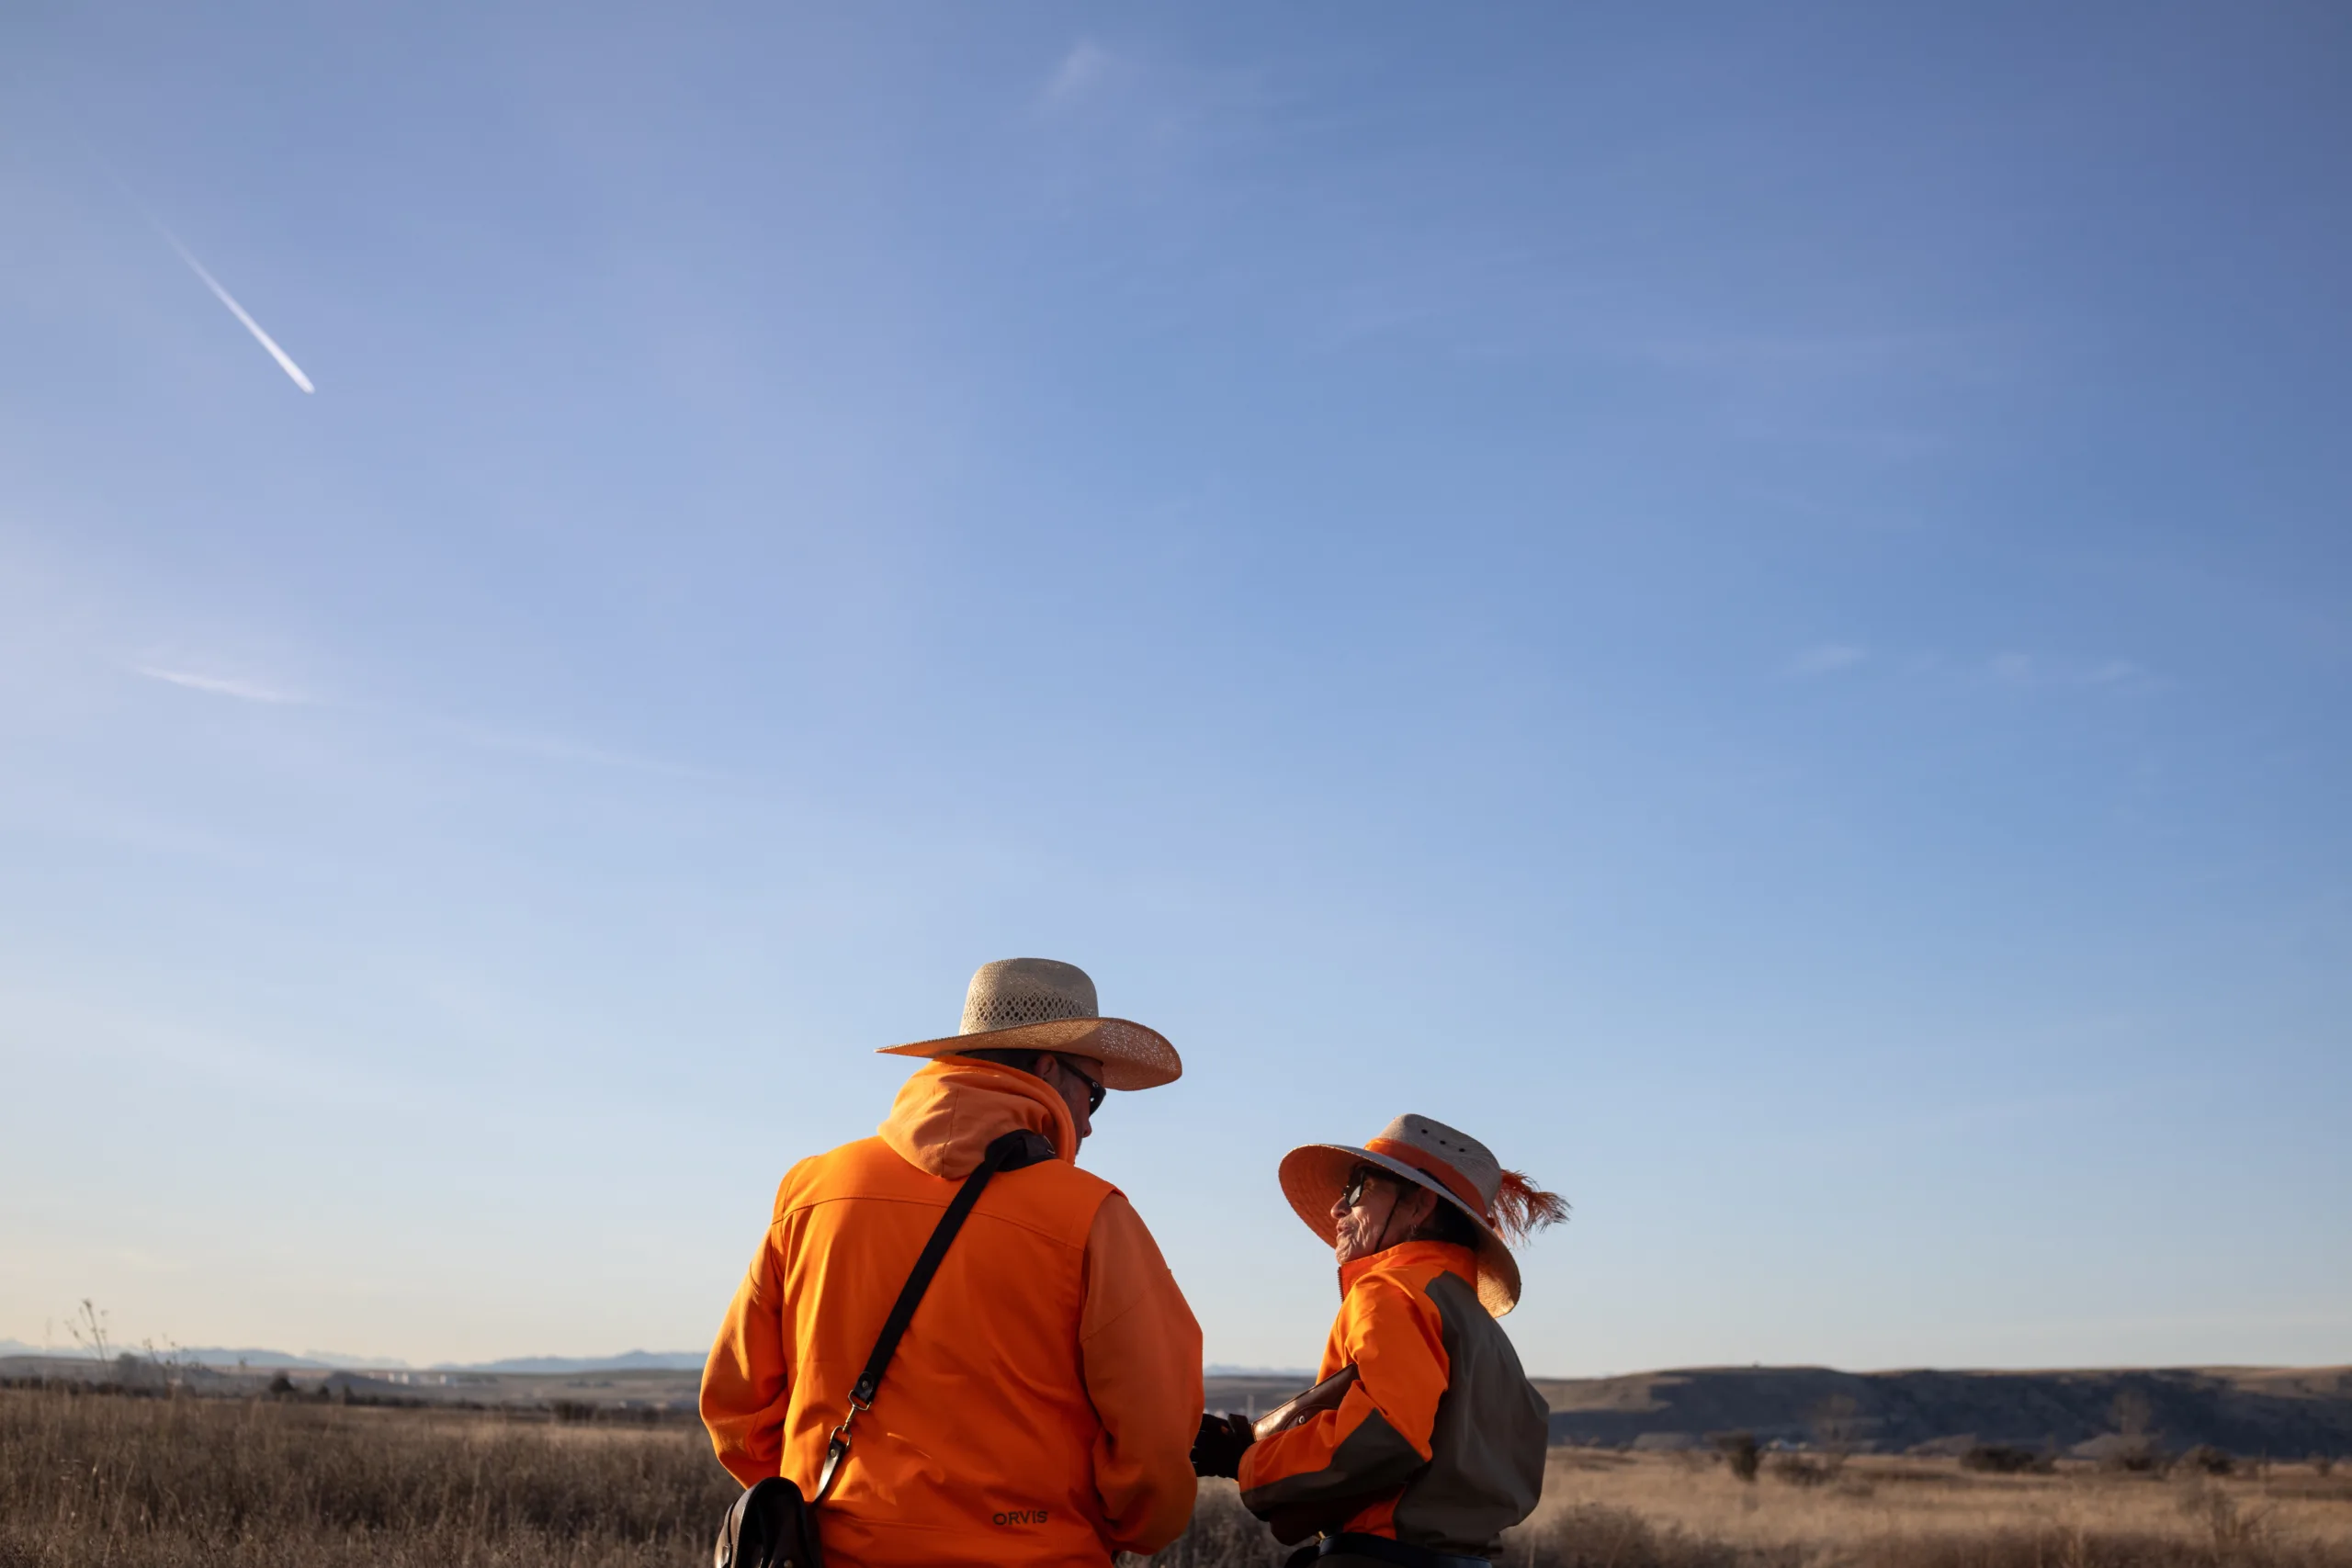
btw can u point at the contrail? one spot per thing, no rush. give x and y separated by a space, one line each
139 204
285 361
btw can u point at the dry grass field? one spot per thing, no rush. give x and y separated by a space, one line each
89 1479
1638 1510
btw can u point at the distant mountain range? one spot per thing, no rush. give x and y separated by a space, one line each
328 1360
627 1361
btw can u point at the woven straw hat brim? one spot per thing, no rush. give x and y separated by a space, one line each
1132 1056
1314 1177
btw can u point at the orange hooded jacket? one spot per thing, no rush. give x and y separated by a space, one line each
1438 1443
1043 1405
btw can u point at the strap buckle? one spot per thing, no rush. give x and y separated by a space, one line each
837 1447
839 1443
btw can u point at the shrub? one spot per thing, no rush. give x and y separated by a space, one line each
1740 1451
1801 1469
2135 1458
2207 1460
2006 1458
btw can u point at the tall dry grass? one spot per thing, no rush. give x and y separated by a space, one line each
91 1481
88 1479
1691 1511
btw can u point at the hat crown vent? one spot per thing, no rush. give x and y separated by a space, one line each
1015 991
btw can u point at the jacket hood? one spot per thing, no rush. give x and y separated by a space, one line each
947 1114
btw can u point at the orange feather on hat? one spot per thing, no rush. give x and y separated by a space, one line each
1522 1208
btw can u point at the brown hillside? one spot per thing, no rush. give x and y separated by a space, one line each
2285 1411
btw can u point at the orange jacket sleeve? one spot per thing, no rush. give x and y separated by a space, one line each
747 1381
1141 1355
1327 1467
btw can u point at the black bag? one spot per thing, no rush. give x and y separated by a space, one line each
771 1524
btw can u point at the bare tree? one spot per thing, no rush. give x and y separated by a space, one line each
2135 1422
1838 1426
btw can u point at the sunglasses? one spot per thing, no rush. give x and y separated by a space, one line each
1359 1180
1094 1091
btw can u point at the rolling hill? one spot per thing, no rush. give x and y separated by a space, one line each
2283 1411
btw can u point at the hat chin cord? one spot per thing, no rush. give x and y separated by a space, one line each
1405 1189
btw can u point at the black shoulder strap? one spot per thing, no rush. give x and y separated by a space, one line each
1011 1152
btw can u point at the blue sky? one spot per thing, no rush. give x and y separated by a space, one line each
1754 607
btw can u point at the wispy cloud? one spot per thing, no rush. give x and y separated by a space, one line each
559 748
539 746
1826 658
1081 71
1780 357
220 685
86 1033
2013 670
2034 671
1153 135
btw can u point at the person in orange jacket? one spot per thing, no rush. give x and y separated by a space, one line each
1042 1404
1423 1441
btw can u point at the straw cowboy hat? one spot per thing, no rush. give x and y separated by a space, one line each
1456 1167
1037 1004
